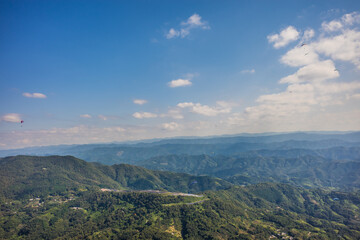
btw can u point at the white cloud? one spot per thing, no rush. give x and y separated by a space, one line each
206 110
345 21
332 26
300 56
85 116
248 71
185 104
344 47
315 72
308 34
195 21
141 115
172 33
286 36
179 83
316 97
140 101
192 22
351 18
102 117
34 95
222 107
341 87
184 32
11 117
171 126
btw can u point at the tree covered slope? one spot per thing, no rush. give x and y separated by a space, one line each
61 198
33 175
334 167
258 212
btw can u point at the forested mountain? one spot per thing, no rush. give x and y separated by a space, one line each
258 212
61 197
32 175
312 190
335 167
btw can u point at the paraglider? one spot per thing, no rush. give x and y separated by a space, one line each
21 122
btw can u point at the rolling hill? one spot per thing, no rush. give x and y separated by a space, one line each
33 175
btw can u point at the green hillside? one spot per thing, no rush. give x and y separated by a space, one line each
32 175
61 198
258 212
339 169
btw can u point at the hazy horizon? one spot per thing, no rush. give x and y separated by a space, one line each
154 140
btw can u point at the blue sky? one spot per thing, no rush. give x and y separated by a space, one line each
103 71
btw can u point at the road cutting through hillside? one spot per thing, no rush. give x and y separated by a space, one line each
161 192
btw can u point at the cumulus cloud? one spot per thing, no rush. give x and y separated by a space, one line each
11 117
351 18
308 34
85 116
221 107
140 101
339 24
286 36
195 21
171 126
179 83
141 115
315 93
314 72
300 56
34 95
344 47
172 33
332 26
192 22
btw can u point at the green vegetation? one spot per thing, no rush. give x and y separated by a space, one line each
256 212
61 197
30 176
340 170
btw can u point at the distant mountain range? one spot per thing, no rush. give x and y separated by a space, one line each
303 159
226 145
335 167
